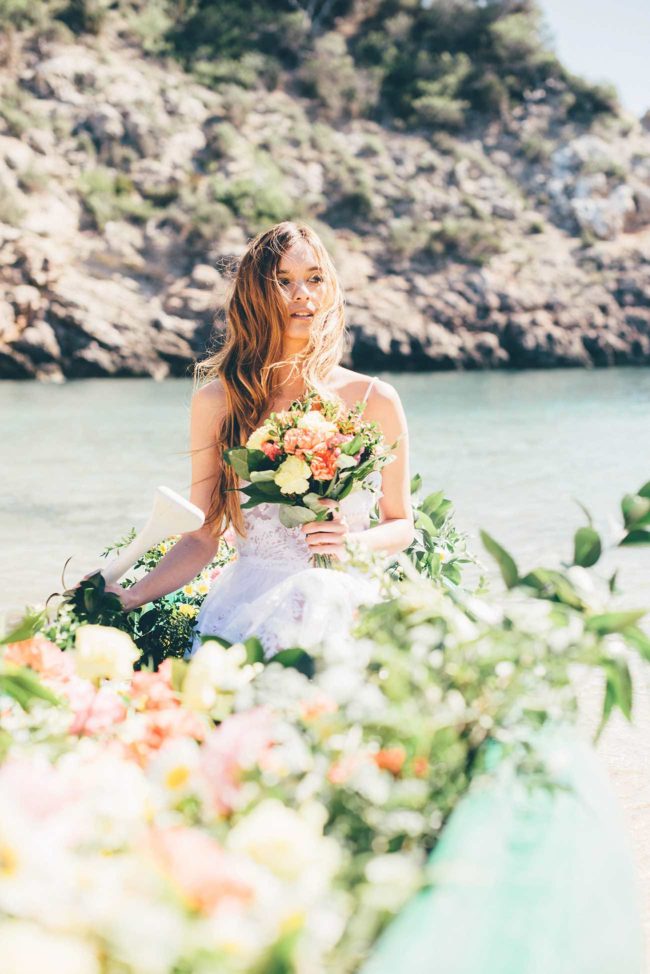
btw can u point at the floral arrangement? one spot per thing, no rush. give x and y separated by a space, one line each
315 449
227 814
160 629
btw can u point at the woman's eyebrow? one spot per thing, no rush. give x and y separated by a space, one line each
285 270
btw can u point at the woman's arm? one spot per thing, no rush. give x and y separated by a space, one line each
395 531
195 549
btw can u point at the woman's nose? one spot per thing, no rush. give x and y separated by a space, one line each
299 288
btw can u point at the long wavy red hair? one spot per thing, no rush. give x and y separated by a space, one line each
248 361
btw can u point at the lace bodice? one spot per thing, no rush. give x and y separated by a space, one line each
268 539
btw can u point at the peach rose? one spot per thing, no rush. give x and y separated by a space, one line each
205 875
323 465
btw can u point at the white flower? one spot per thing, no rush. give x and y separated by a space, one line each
102 651
27 948
284 841
292 476
314 420
174 769
214 675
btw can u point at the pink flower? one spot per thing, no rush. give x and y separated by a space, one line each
237 745
205 875
215 573
304 439
272 450
95 710
154 691
159 726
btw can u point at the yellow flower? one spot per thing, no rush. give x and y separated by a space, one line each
188 590
258 437
292 476
187 610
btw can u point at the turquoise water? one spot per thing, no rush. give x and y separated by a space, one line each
512 450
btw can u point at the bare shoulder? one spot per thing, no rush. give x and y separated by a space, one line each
352 386
210 398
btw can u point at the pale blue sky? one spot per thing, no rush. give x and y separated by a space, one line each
605 40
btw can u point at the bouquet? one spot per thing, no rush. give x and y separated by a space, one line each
315 449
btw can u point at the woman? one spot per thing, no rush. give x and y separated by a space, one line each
284 335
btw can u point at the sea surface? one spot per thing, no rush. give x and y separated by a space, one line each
515 452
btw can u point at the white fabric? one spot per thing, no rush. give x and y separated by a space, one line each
272 590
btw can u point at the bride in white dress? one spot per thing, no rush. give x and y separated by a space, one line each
284 336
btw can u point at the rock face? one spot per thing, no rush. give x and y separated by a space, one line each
128 191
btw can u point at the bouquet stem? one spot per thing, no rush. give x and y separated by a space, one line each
322 561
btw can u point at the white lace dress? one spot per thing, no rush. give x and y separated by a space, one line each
272 591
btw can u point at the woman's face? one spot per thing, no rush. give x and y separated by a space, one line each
302 288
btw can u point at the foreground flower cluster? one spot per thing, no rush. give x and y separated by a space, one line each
227 814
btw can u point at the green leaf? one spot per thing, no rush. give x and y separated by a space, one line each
237 458
586 547
645 490
206 637
345 462
262 476
506 562
636 509
24 687
608 622
296 659
636 536
553 585
254 650
618 688
352 446
257 460
291 517
29 625
432 502
637 638
416 483
424 522
440 514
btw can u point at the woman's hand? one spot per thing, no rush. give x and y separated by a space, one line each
328 537
125 595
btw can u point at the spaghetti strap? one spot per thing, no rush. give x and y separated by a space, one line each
369 389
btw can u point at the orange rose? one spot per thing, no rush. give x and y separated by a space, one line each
390 759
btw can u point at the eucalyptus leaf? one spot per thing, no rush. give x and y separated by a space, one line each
586 547
344 462
505 561
416 483
291 517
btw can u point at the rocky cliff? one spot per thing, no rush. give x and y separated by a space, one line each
128 189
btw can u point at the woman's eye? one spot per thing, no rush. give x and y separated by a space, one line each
317 279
